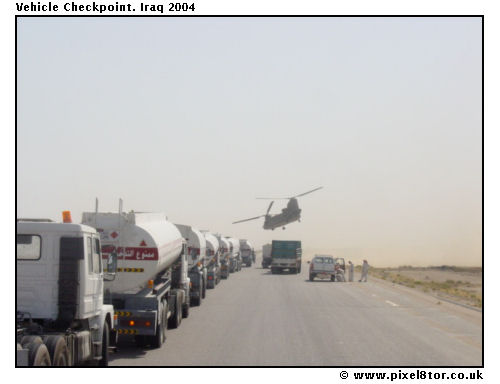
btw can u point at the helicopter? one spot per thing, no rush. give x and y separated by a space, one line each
288 215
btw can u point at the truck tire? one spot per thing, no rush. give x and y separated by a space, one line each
332 277
185 310
165 318
293 270
158 338
311 277
274 271
104 346
31 339
203 288
179 307
58 350
176 318
196 301
38 355
200 294
185 307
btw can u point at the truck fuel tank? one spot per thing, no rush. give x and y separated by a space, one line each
146 244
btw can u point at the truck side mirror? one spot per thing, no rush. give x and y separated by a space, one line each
112 262
111 267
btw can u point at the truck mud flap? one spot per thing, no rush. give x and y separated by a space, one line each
136 322
211 281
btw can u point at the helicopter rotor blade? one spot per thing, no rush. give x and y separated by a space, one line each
252 218
272 198
269 208
305 193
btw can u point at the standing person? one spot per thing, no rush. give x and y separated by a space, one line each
339 273
364 271
351 271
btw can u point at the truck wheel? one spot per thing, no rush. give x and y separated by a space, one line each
58 350
157 339
185 307
196 301
176 318
203 289
293 270
200 293
185 310
311 277
104 346
165 324
38 355
31 339
179 307
332 277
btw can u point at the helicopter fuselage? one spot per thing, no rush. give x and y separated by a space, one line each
288 215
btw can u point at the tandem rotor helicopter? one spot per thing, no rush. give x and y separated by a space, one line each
288 215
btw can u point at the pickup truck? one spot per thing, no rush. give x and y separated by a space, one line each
327 267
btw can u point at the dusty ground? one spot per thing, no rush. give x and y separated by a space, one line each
459 284
462 284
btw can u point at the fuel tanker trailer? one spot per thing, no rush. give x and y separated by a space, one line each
224 256
213 261
197 268
150 291
235 257
247 252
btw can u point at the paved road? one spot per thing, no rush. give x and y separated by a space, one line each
255 318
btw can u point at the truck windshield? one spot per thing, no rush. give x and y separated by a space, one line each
284 253
28 247
285 249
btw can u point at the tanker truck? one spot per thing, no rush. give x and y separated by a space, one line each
266 255
213 260
150 292
61 317
224 256
247 252
235 257
197 268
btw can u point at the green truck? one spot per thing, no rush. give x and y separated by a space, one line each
286 254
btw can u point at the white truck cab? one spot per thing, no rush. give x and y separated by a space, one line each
60 278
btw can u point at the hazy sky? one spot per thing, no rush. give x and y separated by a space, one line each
196 117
